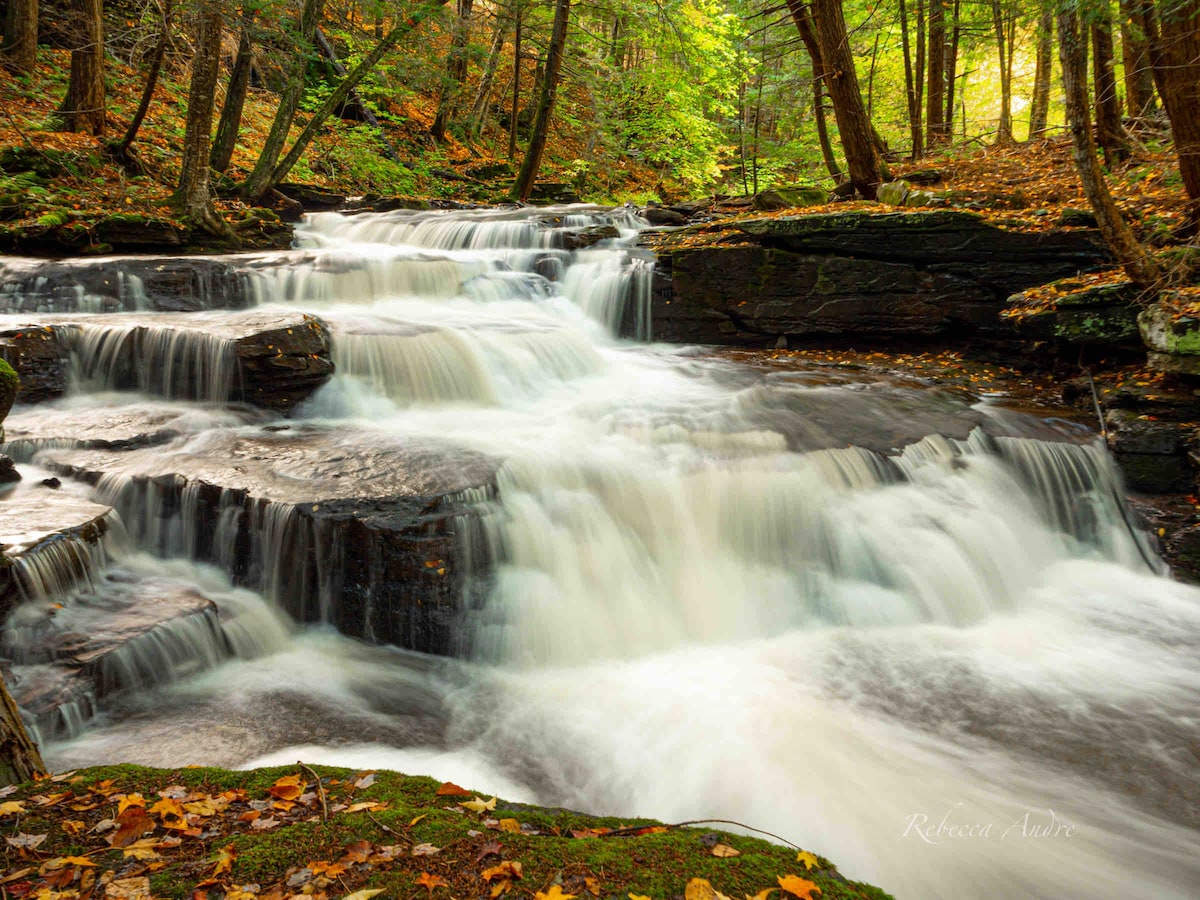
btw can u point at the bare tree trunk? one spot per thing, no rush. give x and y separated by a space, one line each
192 197
83 108
18 50
260 181
1072 43
914 108
1175 53
952 68
121 150
230 122
831 163
19 757
871 78
479 107
1004 132
1039 106
935 101
515 110
802 17
541 125
1109 133
854 127
1135 54
347 85
456 70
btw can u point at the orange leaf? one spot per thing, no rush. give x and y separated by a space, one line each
450 789
429 882
798 886
510 868
224 861
286 788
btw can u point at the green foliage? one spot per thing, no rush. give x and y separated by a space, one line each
356 159
9 385
54 218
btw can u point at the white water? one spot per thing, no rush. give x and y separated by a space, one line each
691 618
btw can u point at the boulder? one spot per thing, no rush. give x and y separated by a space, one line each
1151 454
577 239
657 215
40 358
893 193
1172 339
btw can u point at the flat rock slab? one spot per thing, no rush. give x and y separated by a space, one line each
272 360
361 530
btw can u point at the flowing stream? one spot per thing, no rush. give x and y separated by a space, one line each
910 631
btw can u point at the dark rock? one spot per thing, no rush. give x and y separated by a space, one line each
924 177
871 275
1077 218
586 237
656 215
844 191
1151 454
312 197
1104 316
489 171
691 208
8 470
769 201
129 231
40 359
553 192
53 483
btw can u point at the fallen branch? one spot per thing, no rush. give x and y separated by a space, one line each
320 791
636 829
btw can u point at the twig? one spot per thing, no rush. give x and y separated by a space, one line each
1096 405
320 791
634 829
380 824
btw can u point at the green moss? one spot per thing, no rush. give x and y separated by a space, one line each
54 218
9 385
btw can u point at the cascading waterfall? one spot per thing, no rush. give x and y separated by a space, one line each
824 606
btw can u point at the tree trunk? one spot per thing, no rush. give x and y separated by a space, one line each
83 108
235 97
456 70
1139 265
541 125
515 110
347 85
192 197
1109 133
831 163
802 17
1135 54
1039 105
1175 53
1004 132
354 100
479 107
260 180
914 108
121 151
19 757
18 50
935 101
952 68
854 127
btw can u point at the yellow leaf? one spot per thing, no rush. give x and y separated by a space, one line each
510 825
555 893
810 861
509 868
798 887
639 897
12 807
359 807
763 894
700 889
724 851
363 895
224 861
130 800
417 819
478 805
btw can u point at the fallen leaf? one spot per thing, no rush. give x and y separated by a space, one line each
365 781
509 868
724 851
146 848
479 805
492 848
798 886
425 850
123 803
359 851
225 859
25 841
366 804
510 825
128 889
417 819
286 788
171 813
363 895
450 789
264 824
429 882
131 825
73 827
555 893
763 894
12 807
701 889
638 897
810 861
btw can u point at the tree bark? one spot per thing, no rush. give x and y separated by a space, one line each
1174 32
802 18
456 71
192 198
121 150
914 107
335 100
18 50
83 108
952 68
854 127
355 100
1039 106
1138 264
19 757
230 122
545 108
1004 132
1135 54
1109 133
516 84
935 101
260 180
479 107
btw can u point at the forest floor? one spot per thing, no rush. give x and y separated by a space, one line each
131 833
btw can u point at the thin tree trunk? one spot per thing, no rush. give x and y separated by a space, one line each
935 100
355 100
919 70
192 197
541 125
479 107
18 50
516 84
854 127
1109 133
1175 54
952 69
619 43
871 78
1004 132
260 179
914 108
335 100
456 71
83 108
1135 53
1139 265
230 122
1039 106
831 163
121 151
19 757
802 18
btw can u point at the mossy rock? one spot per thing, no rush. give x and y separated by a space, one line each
10 383
46 162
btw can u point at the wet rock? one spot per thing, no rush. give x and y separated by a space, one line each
1173 340
40 359
871 275
554 192
1103 316
656 215
312 197
769 201
587 237
1152 454
364 531
8 470
136 232
924 177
